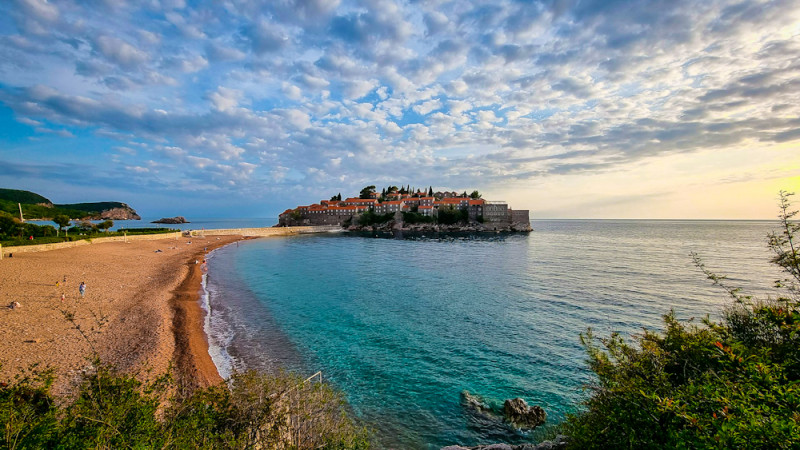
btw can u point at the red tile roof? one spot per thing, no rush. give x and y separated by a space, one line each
361 200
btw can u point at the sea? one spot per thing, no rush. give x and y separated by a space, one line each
404 325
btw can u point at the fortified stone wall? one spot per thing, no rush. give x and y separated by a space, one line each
520 216
495 213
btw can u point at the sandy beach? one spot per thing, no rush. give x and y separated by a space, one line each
140 311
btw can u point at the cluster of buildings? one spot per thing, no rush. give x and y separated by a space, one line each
339 212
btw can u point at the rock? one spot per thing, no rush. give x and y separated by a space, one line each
474 402
124 213
517 411
172 220
559 443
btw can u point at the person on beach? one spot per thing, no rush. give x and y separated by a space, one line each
63 297
82 289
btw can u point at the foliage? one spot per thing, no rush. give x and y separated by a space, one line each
62 220
414 217
91 208
113 410
34 206
365 193
450 216
105 225
370 218
32 211
475 195
728 384
25 197
15 233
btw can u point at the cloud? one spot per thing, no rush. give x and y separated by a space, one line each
120 52
274 95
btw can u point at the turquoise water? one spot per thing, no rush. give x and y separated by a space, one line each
403 326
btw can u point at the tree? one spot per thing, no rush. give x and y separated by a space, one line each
62 220
105 225
475 195
366 192
719 384
430 191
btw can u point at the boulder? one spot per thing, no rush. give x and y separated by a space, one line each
517 412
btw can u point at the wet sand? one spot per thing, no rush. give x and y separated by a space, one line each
141 312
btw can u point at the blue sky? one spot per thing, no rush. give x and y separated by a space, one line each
570 108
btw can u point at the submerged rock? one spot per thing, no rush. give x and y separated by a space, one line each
474 402
517 411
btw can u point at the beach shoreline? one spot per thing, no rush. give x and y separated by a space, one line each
141 313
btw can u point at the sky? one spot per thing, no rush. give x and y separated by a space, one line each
244 108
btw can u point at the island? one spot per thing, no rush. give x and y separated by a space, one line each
172 220
409 209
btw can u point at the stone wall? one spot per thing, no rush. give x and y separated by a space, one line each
520 216
317 219
263 232
495 213
57 245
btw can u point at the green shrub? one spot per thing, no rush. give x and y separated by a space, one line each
450 216
728 384
414 217
370 218
113 410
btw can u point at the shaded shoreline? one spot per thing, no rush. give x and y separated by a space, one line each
194 364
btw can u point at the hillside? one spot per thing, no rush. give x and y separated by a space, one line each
26 197
35 206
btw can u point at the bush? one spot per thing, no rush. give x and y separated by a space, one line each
115 410
370 218
413 217
728 384
450 216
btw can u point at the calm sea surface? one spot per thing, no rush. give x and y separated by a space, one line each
403 326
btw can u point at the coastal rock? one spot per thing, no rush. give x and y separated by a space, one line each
123 212
517 411
474 402
171 220
559 443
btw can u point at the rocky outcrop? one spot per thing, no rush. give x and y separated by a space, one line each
171 220
474 403
559 443
517 412
124 213
438 228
